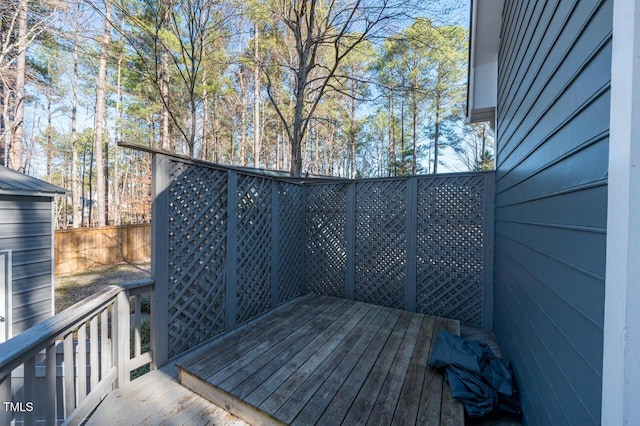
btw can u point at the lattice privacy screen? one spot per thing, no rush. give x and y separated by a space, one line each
420 246
450 248
240 244
325 258
253 246
197 250
380 242
242 234
291 240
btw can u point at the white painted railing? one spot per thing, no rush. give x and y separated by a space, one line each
59 370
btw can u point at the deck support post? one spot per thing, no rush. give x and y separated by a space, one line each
160 181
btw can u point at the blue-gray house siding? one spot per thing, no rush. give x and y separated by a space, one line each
554 72
26 230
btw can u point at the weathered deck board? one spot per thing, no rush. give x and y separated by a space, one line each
157 398
328 361
239 346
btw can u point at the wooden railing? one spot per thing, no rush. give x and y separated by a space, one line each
60 370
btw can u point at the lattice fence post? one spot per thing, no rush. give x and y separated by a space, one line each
350 279
160 181
412 242
488 226
275 243
232 251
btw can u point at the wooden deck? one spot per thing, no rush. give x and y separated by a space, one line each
158 399
322 360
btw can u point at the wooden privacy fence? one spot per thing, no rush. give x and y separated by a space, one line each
84 248
231 244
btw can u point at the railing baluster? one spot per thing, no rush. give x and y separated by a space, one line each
105 350
93 352
137 327
81 364
69 375
29 390
5 395
52 372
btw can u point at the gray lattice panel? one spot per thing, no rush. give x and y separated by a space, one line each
253 247
291 244
380 269
450 263
325 239
197 247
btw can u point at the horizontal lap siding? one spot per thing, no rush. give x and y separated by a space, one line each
551 197
26 230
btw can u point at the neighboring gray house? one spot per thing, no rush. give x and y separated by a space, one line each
559 81
26 251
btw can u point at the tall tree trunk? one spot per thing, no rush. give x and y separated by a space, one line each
436 135
392 137
402 147
352 132
15 149
414 112
438 111
4 122
165 141
78 210
256 98
191 141
49 134
84 177
204 150
91 159
117 137
4 101
243 119
216 132
99 118
298 129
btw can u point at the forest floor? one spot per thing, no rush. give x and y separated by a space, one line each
72 288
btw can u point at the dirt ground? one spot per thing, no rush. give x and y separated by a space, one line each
72 288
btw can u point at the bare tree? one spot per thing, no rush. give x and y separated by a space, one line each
330 30
15 146
477 147
18 29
